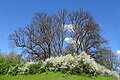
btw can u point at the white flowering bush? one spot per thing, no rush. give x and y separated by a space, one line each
58 63
82 63
77 64
101 70
31 68
25 68
69 64
13 70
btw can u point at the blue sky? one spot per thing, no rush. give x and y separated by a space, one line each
19 13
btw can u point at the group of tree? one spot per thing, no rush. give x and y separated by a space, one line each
45 36
11 58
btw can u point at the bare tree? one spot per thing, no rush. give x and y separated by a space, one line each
116 62
70 49
44 32
60 32
86 32
45 35
36 38
107 58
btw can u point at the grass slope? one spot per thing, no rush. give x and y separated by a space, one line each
52 76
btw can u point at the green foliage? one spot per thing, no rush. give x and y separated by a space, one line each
9 61
13 70
4 67
35 68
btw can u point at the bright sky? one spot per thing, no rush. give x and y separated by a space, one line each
18 13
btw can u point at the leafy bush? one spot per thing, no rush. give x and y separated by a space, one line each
8 68
35 68
24 69
4 67
31 68
9 61
13 70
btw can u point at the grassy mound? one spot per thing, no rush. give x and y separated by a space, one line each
53 76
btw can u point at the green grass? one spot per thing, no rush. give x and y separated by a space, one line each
52 76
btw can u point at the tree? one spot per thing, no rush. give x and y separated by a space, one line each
45 35
60 32
36 38
116 64
107 58
86 32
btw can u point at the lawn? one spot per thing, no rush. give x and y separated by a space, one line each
52 76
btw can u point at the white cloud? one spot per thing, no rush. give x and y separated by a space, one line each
68 27
118 52
69 40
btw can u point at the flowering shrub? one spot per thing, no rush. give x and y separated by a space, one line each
13 70
25 68
58 63
67 64
30 68
78 64
7 67
70 64
101 70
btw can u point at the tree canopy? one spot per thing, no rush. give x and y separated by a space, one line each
45 35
